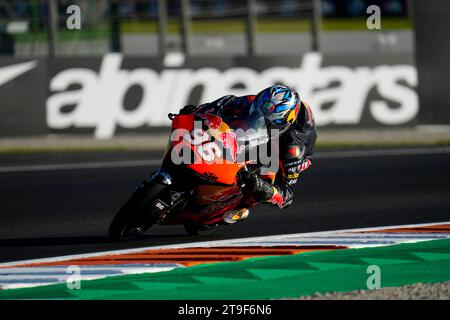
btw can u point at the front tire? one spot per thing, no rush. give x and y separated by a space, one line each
135 217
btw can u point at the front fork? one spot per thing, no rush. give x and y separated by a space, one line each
173 201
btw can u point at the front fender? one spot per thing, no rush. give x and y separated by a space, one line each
163 177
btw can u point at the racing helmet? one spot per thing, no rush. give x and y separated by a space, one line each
279 104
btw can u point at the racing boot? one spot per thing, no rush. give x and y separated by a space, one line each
237 215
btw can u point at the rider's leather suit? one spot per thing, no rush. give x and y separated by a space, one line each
296 145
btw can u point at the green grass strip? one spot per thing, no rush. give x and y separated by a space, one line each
268 277
215 26
237 25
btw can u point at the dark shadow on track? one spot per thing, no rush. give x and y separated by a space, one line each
94 240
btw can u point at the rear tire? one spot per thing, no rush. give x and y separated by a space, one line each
135 216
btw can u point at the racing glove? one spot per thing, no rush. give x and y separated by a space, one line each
260 189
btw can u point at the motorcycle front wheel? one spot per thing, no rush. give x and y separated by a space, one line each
135 217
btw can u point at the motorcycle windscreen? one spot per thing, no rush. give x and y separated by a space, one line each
216 145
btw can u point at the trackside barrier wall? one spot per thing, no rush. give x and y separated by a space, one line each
106 95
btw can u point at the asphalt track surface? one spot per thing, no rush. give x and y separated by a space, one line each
48 210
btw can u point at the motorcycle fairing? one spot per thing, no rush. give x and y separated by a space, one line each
220 170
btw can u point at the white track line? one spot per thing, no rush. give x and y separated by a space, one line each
11 278
85 165
218 243
153 162
381 153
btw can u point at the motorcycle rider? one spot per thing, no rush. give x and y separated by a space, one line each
283 110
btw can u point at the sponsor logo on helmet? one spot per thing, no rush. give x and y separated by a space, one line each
292 116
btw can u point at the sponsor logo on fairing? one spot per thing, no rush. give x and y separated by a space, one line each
223 195
229 142
211 120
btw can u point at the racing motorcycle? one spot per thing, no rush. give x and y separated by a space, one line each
200 179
